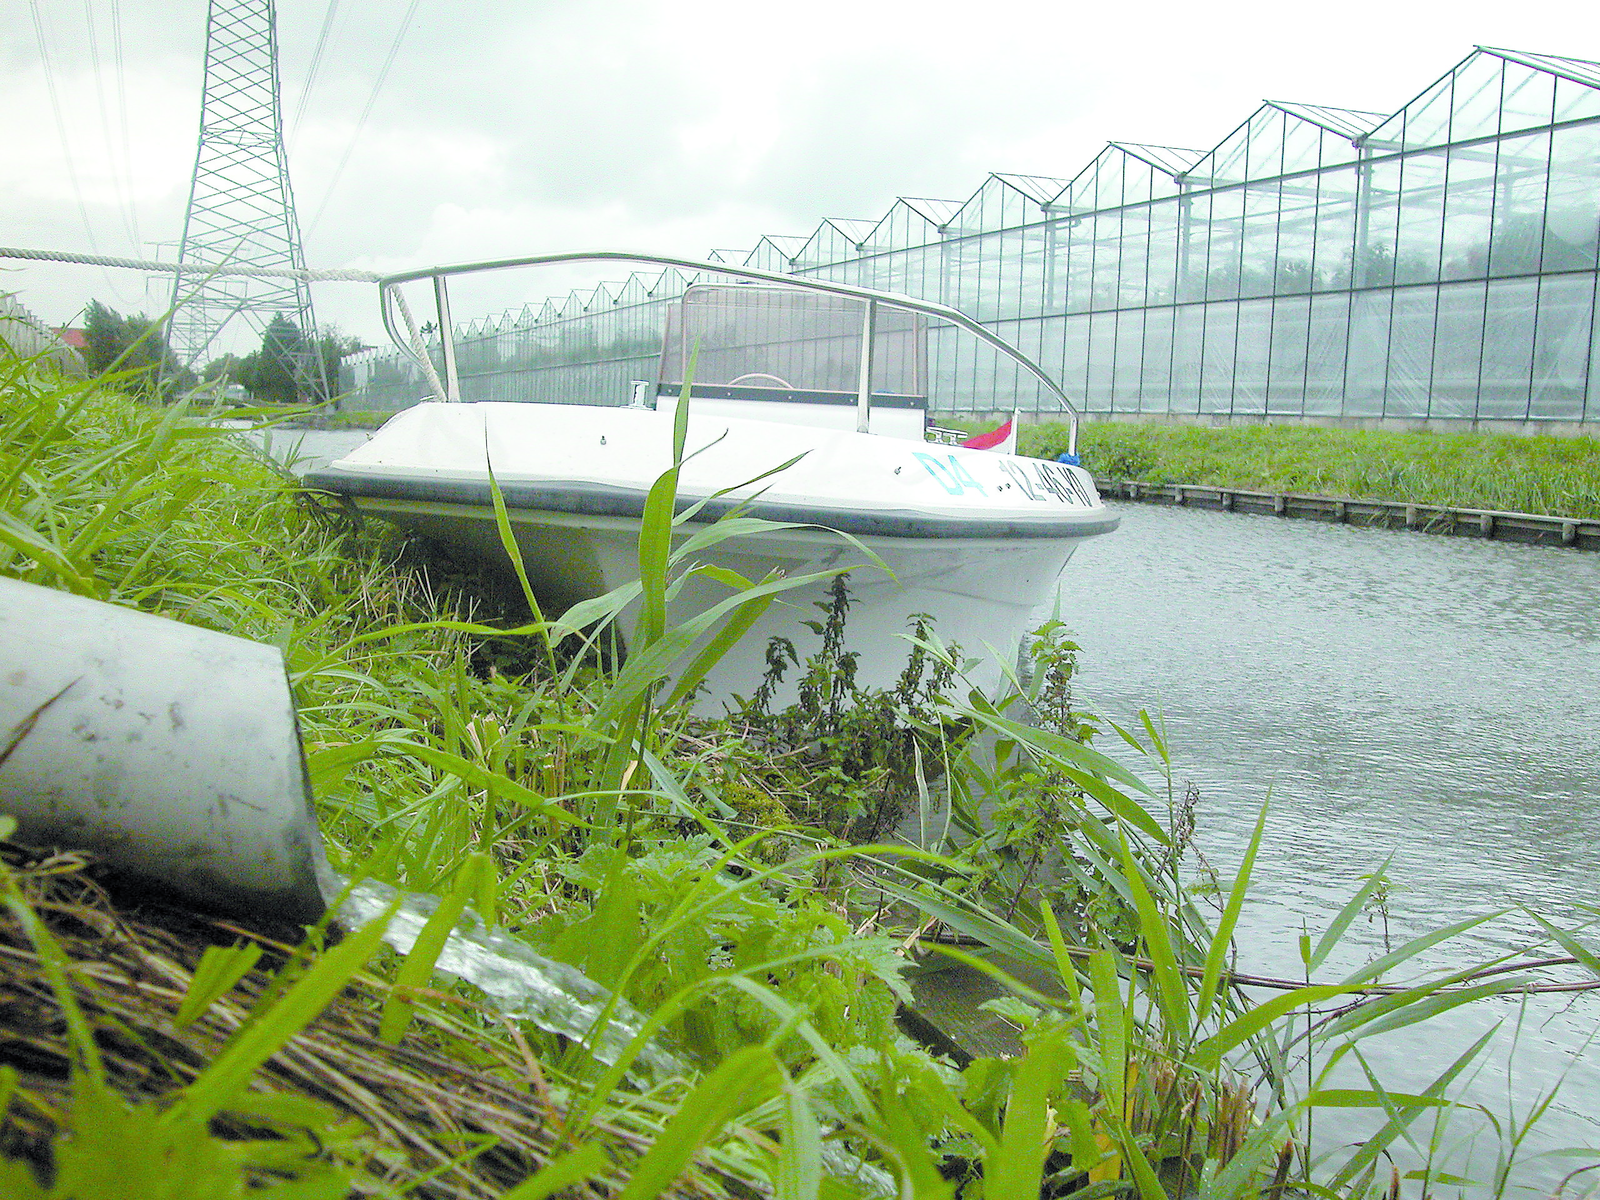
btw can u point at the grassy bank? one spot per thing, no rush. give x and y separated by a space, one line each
710 874
341 419
1552 476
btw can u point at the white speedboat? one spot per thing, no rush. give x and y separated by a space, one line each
977 538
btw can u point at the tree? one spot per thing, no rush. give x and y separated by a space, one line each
273 372
136 346
332 346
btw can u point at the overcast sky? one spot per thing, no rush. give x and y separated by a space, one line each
526 126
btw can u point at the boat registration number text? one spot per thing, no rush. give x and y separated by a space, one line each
1040 481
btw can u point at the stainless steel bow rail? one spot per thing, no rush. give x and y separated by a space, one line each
449 388
871 299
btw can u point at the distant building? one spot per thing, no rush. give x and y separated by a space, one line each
1437 264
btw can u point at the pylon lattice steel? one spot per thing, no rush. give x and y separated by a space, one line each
241 207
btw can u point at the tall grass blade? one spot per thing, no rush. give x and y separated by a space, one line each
1028 1131
572 1168
220 968
1222 940
1369 1152
417 968
230 1072
1341 922
744 1079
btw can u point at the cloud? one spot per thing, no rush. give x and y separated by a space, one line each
671 126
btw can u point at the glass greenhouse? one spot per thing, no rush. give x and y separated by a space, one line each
1438 263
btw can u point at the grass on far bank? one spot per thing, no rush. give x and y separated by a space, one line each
1555 476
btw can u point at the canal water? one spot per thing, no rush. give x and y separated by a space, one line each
1424 700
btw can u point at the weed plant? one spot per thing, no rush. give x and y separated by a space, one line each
567 796
1556 476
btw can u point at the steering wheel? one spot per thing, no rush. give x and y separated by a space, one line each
783 383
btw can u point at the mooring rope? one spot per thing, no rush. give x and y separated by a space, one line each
304 275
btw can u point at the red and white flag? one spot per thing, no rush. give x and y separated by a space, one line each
1003 438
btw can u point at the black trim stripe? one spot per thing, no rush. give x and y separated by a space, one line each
723 391
604 500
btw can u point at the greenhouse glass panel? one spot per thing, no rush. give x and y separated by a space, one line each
1079 194
1377 214
1032 266
1162 261
1078 277
1302 146
1572 211
1137 179
1102 360
1155 368
1259 239
1133 286
1074 355
1477 99
1252 355
1576 101
1522 181
1368 357
1469 212
1108 172
1327 343
1216 364
1057 238
1264 157
1286 372
1228 163
1561 347
981 299
1050 346
1527 100
1591 402
1107 237
1423 122
1129 355
1410 370
1224 238
1336 223
1188 337
1194 215
1503 387
1421 221
1007 268
1297 237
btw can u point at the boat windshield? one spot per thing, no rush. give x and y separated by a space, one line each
754 342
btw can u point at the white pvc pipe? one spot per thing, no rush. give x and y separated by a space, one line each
171 751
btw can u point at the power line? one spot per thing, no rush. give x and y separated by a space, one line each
377 87
316 64
61 124
122 114
115 161
66 144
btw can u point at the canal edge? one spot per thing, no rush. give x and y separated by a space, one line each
1527 528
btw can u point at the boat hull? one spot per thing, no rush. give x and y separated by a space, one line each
981 564
982 592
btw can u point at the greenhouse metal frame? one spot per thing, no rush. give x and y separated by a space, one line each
1436 264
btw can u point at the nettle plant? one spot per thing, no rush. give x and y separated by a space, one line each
842 759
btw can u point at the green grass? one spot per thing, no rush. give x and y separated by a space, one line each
461 744
1548 475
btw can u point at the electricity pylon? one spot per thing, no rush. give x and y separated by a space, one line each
241 208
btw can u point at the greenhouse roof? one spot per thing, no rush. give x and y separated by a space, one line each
1169 160
1579 70
1350 122
1491 93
